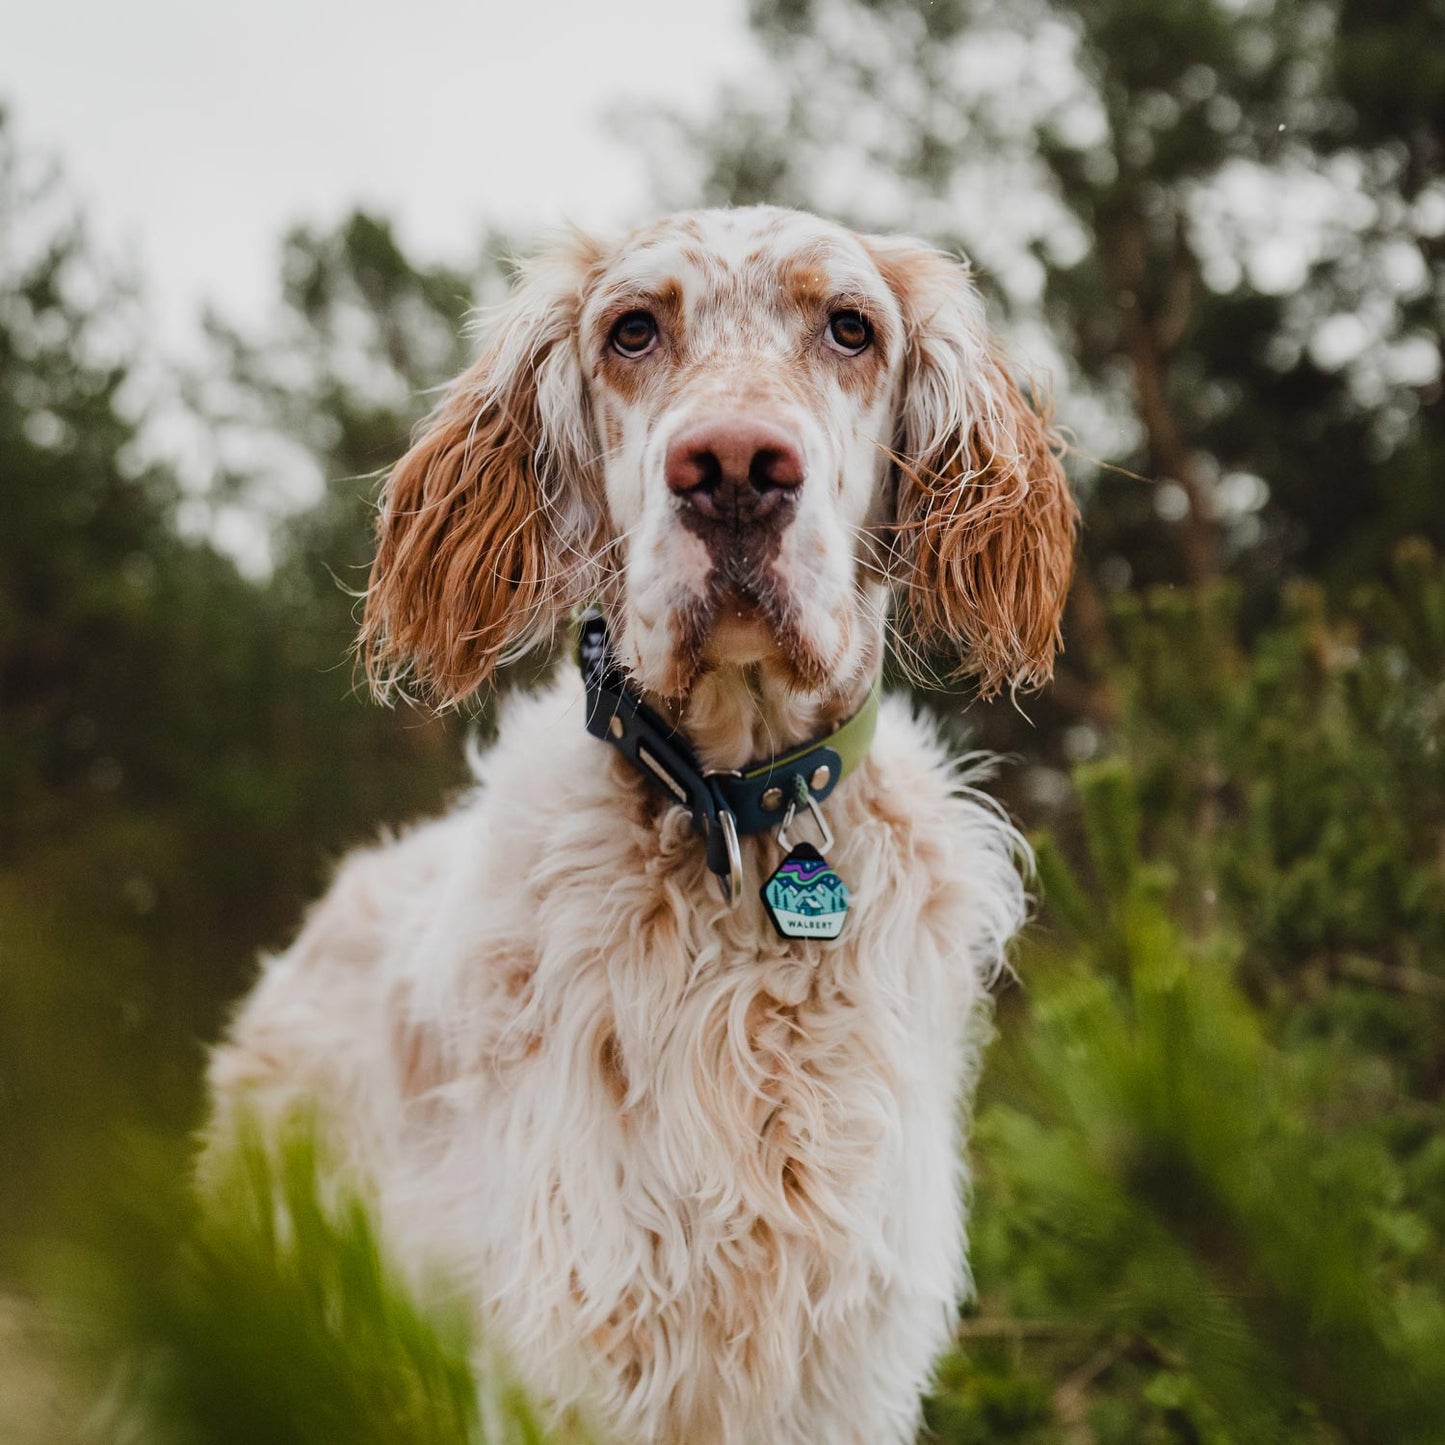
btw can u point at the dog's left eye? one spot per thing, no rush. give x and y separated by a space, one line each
634 333
849 331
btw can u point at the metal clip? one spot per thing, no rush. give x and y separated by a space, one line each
825 841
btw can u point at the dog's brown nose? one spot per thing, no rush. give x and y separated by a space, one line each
734 469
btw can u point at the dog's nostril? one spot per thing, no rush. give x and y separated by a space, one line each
701 472
693 471
710 473
773 467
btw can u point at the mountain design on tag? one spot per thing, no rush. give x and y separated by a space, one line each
804 897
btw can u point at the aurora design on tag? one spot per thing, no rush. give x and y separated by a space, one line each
804 897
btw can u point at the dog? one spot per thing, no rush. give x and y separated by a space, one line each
692 1151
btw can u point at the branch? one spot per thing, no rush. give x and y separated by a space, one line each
1397 977
1168 453
1002 1328
1070 1399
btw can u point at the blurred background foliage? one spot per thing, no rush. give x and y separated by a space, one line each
1210 1203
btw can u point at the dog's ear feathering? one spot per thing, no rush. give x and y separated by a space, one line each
484 526
985 523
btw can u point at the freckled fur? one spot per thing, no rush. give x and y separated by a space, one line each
702 1184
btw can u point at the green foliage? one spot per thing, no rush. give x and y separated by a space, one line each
1300 784
1208 1156
276 1318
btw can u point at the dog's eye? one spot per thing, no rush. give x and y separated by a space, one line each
850 331
634 333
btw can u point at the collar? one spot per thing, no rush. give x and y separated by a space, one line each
723 805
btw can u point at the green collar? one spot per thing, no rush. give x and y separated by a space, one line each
849 743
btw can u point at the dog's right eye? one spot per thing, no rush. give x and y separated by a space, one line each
634 333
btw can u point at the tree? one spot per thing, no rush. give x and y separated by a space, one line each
185 746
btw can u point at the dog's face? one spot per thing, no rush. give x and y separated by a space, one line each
739 430
743 370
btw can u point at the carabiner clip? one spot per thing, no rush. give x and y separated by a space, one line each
825 841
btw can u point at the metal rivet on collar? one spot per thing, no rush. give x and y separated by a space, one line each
822 776
771 800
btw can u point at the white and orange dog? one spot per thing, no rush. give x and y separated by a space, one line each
701 1178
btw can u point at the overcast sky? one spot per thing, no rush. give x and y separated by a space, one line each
194 133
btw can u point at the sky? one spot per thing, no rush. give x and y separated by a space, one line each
193 134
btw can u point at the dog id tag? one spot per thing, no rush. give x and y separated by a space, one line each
804 897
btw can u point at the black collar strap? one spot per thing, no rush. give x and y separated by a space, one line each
723 805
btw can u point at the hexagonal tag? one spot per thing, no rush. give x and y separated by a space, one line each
804 897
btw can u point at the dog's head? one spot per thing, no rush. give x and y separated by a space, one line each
739 430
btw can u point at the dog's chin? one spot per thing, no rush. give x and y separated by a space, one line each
734 629
740 636
742 631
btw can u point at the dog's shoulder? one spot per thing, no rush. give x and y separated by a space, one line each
312 1019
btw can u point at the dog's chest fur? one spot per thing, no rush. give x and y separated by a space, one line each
703 1179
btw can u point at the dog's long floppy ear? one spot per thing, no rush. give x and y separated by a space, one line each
985 520
486 522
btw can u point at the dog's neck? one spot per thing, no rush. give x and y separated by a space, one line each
735 715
